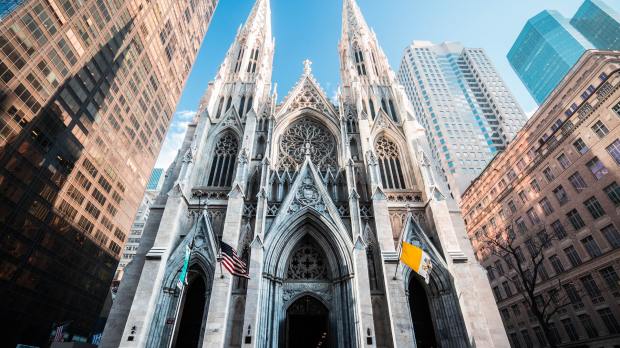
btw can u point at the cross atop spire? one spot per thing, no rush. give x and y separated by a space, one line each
307 67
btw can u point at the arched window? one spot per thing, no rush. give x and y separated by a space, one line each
224 160
389 164
219 108
384 106
253 61
354 151
241 106
359 60
228 103
239 59
371 106
393 111
374 63
352 124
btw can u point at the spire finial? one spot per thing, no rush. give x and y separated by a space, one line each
307 67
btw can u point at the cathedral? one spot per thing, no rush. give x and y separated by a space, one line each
316 197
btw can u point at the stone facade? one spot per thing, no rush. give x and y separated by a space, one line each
315 197
559 176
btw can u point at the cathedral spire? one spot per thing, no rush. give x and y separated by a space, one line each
352 19
251 54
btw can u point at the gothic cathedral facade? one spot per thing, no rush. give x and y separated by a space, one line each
315 196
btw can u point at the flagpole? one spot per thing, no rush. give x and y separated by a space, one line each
219 257
400 241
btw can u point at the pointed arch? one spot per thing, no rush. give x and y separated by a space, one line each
390 163
242 106
393 111
223 166
371 106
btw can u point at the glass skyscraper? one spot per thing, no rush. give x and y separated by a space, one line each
468 112
6 6
547 47
87 92
156 180
599 23
549 44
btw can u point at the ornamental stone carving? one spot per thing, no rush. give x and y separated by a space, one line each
307 195
307 263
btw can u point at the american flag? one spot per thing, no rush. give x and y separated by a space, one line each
232 262
59 337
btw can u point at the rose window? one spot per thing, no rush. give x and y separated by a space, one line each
307 136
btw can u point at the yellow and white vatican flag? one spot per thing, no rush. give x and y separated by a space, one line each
416 259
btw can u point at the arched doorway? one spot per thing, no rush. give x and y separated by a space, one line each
190 325
307 324
421 314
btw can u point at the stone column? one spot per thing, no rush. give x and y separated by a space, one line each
219 302
360 265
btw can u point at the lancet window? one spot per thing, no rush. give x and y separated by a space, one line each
371 106
219 108
242 106
359 60
389 164
253 61
239 59
224 159
393 111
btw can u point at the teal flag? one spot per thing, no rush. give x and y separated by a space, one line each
183 275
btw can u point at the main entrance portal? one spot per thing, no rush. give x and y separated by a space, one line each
307 324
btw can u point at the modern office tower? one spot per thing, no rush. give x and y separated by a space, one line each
549 44
156 180
466 109
599 23
556 189
544 51
314 197
87 90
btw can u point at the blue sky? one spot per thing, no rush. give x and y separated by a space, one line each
311 29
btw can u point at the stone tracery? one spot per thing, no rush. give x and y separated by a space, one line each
307 136
307 263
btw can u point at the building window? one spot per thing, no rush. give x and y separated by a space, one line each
534 219
613 192
591 246
548 174
490 273
389 164
224 160
577 181
564 161
572 294
580 146
521 225
507 289
591 287
523 197
545 205
600 129
497 293
573 256
614 150
609 320
544 239
597 168
499 268
611 277
540 336
558 229
253 61
515 340
527 339
560 194
587 324
570 329
575 219
505 314
512 207
611 234
535 186
556 263
594 207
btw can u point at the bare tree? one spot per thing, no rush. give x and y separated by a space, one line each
543 301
